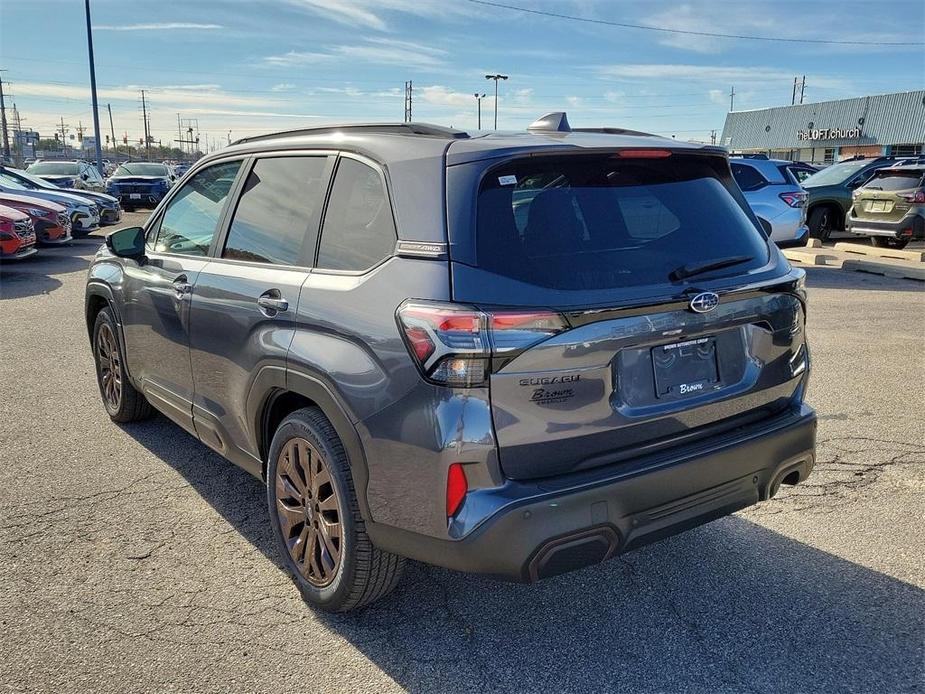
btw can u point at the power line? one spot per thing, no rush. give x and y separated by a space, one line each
687 32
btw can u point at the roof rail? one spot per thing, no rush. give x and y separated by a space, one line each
421 129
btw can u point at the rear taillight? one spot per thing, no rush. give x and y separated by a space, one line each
916 197
453 345
794 199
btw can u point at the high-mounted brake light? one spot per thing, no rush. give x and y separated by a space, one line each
453 345
642 153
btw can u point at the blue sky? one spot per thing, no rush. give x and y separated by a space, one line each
259 65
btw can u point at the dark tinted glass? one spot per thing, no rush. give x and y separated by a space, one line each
191 216
894 180
597 222
358 229
277 217
747 177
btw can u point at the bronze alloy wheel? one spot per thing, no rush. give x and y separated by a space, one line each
107 352
309 512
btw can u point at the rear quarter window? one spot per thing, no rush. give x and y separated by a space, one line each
596 222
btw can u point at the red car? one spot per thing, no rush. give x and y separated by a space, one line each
17 235
52 225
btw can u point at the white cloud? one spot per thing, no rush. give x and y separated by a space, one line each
180 96
438 95
162 26
574 101
391 52
703 73
282 87
297 58
374 50
370 14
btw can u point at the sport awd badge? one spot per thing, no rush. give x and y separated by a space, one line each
704 302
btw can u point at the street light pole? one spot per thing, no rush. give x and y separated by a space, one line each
478 98
496 78
96 113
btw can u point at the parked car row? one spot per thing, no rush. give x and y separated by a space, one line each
833 191
35 211
881 198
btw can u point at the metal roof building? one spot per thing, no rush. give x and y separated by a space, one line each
832 130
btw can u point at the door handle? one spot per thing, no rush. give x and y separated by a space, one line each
272 301
182 287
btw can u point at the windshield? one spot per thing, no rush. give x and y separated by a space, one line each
836 174
8 181
891 180
54 168
28 180
600 222
141 169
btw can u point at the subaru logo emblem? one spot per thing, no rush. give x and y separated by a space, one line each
704 302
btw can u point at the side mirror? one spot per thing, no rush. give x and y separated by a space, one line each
127 243
85 176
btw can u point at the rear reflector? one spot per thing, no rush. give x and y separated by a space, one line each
456 488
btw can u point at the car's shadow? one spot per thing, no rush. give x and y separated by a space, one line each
730 607
37 274
834 278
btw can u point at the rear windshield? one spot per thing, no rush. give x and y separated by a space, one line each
52 168
141 170
836 174
895 180
599 222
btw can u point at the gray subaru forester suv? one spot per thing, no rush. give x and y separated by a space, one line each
515 354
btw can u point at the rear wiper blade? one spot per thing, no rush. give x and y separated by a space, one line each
692 269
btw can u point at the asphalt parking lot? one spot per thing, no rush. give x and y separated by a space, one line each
135 559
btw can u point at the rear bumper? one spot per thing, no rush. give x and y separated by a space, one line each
909 227
542 528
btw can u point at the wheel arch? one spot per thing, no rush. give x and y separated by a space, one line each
832 205
303 390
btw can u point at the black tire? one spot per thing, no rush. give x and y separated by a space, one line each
887 242
362 573
128 405
822 222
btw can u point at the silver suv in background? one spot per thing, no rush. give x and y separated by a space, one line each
775 196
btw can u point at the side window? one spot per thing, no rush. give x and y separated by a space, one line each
747 177
191 217
277 217
358 231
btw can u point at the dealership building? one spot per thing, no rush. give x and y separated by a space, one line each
829 131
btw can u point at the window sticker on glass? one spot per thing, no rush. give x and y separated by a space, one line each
507 180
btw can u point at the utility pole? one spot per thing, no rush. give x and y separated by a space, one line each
179 133
802 88
732 100
478 98
6 137
713 137
496 78
144 116
112 129
64 137
409 89
793 99
96 112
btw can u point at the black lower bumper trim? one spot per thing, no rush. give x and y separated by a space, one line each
544 535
